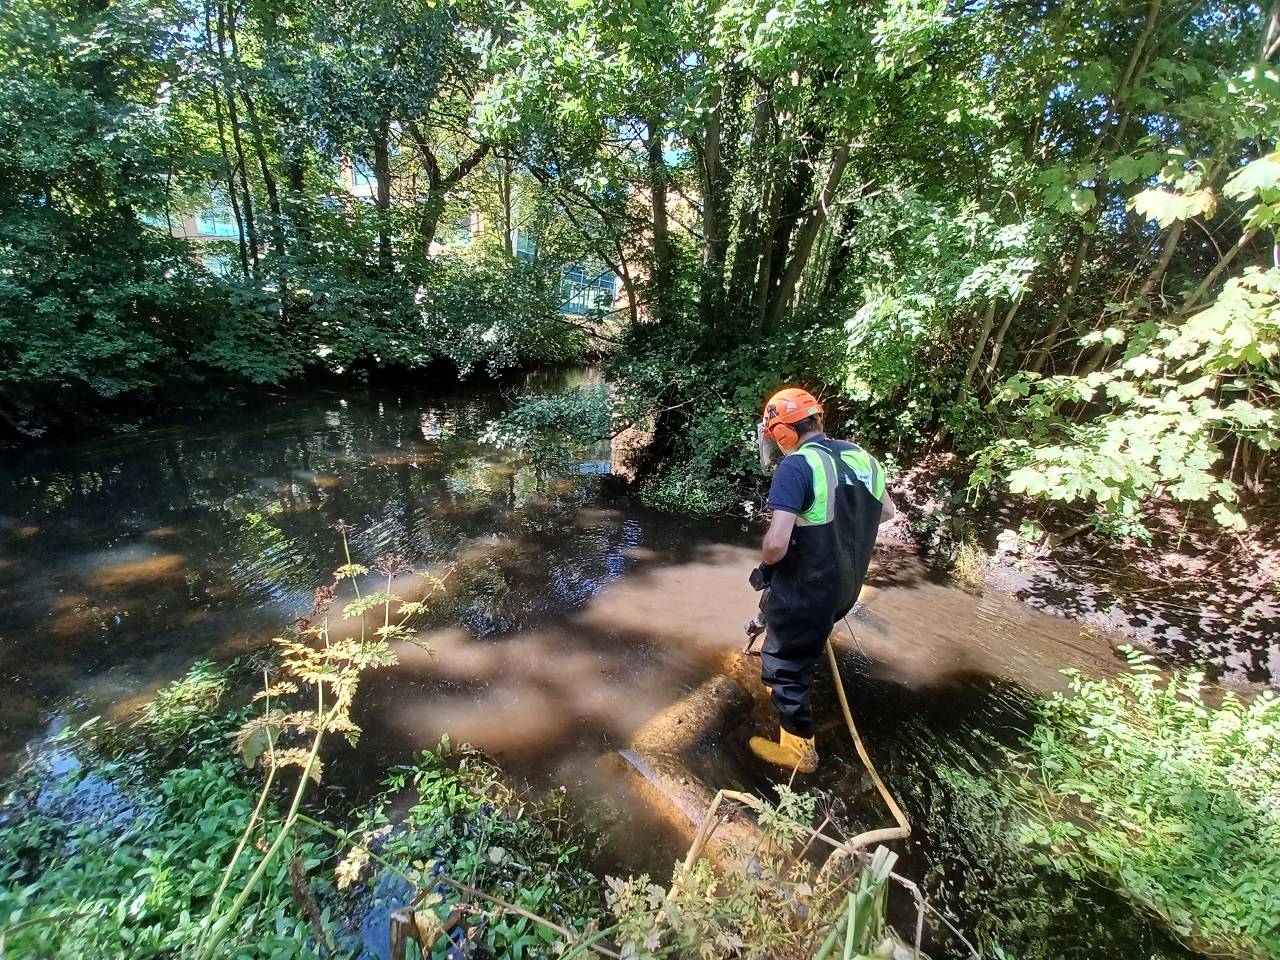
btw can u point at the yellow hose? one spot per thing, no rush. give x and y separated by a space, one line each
903 829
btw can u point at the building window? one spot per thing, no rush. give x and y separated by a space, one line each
587 293
526 249
363 180
216 221
218 266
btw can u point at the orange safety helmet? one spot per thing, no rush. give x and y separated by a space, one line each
785 408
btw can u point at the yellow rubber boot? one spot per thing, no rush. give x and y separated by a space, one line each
792 752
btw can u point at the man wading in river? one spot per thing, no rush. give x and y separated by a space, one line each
828 499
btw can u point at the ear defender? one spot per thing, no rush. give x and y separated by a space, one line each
782 434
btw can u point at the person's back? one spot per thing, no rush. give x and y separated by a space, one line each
835 536
828 498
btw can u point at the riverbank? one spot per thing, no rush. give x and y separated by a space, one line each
71 415
1191 592
448 853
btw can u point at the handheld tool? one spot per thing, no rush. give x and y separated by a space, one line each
756 626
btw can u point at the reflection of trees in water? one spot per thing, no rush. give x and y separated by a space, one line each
250 499
240 508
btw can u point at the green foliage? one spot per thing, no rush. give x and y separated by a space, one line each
706 406
121 121
91 299
1172 800
466 824
900 206
170 717
1041 908
1182 389
489 310
929 273
550 429
129 857
684 488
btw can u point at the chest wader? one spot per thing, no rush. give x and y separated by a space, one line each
819 579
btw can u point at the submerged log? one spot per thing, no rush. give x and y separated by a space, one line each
655 766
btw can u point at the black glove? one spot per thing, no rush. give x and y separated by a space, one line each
761 576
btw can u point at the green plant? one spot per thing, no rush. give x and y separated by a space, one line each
548 428
332 667
191 863
169 718
684 489
467 836
115 859
1141 781
970 563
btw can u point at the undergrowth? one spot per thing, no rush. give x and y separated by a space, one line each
1141 781
465 828
117 859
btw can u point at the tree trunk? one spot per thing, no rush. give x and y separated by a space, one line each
382 196
440 184
988 320
1130 73
508 209
843 255
1039 355
751 215
771 202
998 346
259 144
429 219
1166 255
1213 274
221 120
268 179
660 265
1269 42
233 121
793 203
713 195
815 217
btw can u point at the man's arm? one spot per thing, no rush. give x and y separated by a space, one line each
887 510
778 537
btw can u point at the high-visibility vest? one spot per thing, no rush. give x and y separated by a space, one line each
821 575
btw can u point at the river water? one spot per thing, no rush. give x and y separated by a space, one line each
574 616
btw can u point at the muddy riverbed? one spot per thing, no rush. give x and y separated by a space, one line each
574 616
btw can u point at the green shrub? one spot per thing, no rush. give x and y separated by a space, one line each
547 428
182 707
1174 801
686 488
133 874
466 824
704 399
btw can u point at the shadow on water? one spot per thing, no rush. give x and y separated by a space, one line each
572 618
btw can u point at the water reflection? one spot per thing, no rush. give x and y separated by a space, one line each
128 558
